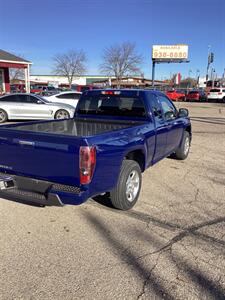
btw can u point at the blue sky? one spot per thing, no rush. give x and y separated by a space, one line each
40 29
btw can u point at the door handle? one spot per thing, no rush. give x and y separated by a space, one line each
24 143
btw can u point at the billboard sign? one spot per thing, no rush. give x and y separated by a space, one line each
169 52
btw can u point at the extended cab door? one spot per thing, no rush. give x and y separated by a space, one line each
160 129
174 124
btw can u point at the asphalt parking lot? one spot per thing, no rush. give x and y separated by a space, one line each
170 246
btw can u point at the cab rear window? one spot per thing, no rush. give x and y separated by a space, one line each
214 90
111 105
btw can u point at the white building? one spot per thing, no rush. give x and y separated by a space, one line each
58 80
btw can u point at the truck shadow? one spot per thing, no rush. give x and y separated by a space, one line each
186 231
151 271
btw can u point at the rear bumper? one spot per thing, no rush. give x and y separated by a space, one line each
214 97
31 197
40 192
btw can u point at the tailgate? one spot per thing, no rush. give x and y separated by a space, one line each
42 156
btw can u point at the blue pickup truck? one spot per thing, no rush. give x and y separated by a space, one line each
114 136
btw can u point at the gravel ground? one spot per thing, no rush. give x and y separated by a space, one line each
170 246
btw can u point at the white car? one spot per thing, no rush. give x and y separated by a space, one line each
70 98
217 94
29 107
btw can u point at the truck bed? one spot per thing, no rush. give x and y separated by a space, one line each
49 150
75 127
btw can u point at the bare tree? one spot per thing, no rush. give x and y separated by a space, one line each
121 60
70 64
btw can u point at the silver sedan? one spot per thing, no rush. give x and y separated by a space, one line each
30 107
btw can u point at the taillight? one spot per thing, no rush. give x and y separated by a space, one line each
87 163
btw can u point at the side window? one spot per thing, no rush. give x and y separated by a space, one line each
66 96
63 96
70 96
12 98
22 99
167 106
31 99
59 96
156 107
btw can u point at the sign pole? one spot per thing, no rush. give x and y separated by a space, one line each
153 73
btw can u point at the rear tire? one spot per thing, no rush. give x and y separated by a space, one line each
183 151
62 114
3 116
126 193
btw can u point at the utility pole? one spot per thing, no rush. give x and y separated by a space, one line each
213 77
207 70
197 78
210 60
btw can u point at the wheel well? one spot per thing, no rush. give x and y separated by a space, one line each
137 156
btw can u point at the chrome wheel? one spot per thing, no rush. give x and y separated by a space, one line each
132 185
2 116
62 114
186 145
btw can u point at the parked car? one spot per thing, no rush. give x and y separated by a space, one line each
47 90
70 97
114 137
196 95
217 94
17 88
29 106
176 95
35 89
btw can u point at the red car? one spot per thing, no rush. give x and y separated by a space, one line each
175 95
35 89
196 96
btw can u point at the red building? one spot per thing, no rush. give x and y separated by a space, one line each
7 61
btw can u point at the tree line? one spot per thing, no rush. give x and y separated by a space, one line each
117 61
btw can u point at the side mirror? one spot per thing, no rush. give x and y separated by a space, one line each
183 112
169 115
40 102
